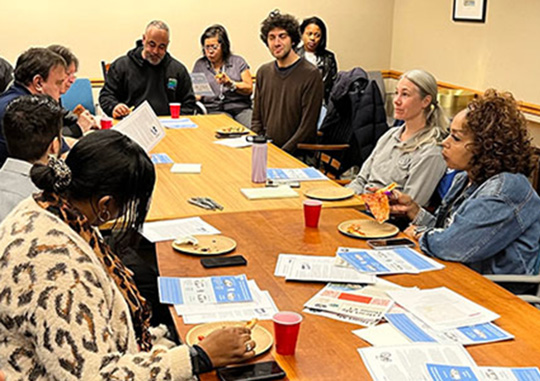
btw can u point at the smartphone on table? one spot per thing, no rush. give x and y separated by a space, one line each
390 243
269 370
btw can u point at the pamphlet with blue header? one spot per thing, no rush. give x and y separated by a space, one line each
394 261
175 124
207 290
295 174
417 331
161 158
443 372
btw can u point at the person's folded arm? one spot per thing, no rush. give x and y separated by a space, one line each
480 229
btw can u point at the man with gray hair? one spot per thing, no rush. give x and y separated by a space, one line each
149 73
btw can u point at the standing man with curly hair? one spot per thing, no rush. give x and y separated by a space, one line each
289 90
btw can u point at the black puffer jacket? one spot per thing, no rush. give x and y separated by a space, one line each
355 116
132 80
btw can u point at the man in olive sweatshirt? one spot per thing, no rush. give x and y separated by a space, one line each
149 73
289 90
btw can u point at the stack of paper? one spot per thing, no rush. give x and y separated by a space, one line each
384 262
314 268
211 299
435 362
348 303
142 126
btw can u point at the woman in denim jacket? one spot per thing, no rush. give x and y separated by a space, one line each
490 218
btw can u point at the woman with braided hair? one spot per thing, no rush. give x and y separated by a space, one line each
69 309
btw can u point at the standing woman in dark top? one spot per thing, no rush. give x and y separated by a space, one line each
313 49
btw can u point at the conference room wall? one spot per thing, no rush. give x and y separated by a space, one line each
499 53
360 31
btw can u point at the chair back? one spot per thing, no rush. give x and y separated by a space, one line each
105 69
80 93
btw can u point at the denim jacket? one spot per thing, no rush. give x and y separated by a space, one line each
493 227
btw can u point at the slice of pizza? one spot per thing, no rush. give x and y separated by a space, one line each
79 110
379 205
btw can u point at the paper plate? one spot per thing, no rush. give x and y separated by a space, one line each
368 229
207 245
263 339
329 193
234 130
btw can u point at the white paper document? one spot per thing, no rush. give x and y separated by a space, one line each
142 126
172 229
409 362
267 193
186 168
417 331
393 261
381 335
442 309
317 269
491 373
240 142
344 300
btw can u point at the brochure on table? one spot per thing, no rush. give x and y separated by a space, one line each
172 229
295 174
442 309
262 307
345 300
393 363
207 290
177 124
439 372
142 126
384 262
317 269
417 331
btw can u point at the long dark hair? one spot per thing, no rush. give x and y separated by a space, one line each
106 163
321 48
219 32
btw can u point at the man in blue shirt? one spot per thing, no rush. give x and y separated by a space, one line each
37 71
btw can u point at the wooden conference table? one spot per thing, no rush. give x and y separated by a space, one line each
224 172
326 348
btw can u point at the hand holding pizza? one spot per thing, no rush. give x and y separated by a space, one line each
401 203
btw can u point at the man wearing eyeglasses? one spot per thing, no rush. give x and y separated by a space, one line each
147 72
289 90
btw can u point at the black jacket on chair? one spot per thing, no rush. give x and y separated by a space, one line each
355 116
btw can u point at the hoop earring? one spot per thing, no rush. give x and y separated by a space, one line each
103 219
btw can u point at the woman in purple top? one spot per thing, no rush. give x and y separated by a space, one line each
227 74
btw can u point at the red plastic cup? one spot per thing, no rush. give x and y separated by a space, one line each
175 110
312 212
286 328
105 122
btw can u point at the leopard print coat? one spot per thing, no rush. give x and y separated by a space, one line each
61 315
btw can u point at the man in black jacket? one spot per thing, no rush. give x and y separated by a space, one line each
149 73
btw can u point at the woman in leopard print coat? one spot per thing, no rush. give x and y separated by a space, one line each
69 309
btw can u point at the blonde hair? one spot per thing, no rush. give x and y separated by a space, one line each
436 120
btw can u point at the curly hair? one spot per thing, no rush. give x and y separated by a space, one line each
286 22
501 142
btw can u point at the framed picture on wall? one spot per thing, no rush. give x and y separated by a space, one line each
469 10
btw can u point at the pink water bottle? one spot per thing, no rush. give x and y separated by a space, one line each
259 156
